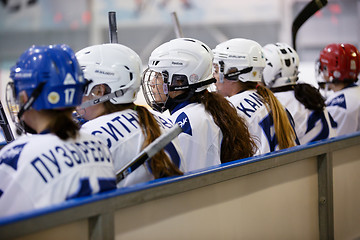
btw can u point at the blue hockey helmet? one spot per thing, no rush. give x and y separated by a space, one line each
50 76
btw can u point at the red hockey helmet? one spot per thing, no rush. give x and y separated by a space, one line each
340 62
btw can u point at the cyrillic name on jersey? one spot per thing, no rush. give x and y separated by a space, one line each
163 123
72 154
117 127
250 104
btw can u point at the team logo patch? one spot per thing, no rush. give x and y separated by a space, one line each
254 73
11 156
53 97
69 80
183 120
338 101
194 78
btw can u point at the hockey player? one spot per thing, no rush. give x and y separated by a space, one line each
56 162
238 67
340 67
178 74
304 102
115 74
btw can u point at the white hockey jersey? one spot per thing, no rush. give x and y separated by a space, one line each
122 133
250 106
41 170
344 107
310 125
201 138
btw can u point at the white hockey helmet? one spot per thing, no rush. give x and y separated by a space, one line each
183 59
282 65
243 55
186 57
115 65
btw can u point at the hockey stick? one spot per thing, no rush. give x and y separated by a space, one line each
177 27
112 28
4 124
148 152
310 9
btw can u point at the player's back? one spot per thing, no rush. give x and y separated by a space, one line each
344 107
41 170
309 125
201 138
250 106
122 133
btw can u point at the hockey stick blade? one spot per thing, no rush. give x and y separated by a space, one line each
112 27
148 152
310 9
4 124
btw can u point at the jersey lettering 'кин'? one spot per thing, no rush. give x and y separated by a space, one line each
310 125
344 107
201 138
250 106
122 133
41 170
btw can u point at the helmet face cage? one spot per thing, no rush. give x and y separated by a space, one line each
340 62
155 89
242 55
282 65
13 104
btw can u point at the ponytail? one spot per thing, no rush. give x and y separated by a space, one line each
160 163
237 142
62 124
309 96
284 132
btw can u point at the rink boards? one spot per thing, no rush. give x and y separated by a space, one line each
307 192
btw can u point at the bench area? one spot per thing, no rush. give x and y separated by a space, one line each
306 192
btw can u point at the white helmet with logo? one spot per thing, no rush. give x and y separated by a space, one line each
185 58
115 65
282 65
243 57
185 64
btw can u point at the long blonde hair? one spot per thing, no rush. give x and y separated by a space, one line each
284 131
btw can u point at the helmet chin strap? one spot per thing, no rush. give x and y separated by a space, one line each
22 126
233 75
104 98
34 95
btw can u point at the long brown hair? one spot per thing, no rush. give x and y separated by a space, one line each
306 94
284 131
237 142
160 164
62 124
